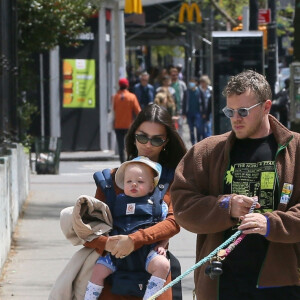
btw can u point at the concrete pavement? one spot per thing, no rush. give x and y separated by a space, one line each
40 251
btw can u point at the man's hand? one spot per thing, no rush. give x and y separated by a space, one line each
253 223
240 205
123 247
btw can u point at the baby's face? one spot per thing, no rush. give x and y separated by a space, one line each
138 180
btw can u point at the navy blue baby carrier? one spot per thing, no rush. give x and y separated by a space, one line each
131 277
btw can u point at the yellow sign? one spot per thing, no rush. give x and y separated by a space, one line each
189 10
133 7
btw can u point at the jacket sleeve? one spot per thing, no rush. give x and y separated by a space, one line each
196 192
284 227
160 231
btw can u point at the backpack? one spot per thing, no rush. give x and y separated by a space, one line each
131 278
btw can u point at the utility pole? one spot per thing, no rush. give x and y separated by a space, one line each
253 11
272 47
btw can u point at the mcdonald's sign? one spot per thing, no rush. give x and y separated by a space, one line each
189 10
133 7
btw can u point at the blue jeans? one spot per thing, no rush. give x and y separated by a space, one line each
207 127
120 135
195 121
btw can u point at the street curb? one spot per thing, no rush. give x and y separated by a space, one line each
89 156
93 158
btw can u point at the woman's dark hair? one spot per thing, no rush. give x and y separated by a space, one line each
174 149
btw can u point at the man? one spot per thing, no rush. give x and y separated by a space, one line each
126 107
219 179
180 93
206 88
193 110
144 91
280 106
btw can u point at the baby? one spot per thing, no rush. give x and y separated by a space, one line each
137 178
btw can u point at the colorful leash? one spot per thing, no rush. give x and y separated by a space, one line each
233 241
198 264
223 253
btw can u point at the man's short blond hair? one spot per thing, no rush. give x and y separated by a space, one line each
249 81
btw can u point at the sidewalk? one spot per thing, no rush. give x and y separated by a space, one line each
40 251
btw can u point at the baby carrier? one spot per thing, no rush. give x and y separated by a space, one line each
131 278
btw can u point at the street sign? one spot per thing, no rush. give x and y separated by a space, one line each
264 16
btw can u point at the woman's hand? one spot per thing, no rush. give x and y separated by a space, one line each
123 247
110 244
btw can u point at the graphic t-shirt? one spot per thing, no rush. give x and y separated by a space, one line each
252 170
252 173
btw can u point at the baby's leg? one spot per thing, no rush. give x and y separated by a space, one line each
102 269
159 267
100 272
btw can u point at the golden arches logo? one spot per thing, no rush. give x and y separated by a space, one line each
190 10
133 7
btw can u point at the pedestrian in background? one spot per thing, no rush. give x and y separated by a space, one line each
221 177
281 104
157 82
179 68
165 96
206 88
180 93
144 91
126 107
193 110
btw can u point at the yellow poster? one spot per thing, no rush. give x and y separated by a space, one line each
79 88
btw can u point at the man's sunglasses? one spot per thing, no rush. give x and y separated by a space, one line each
243 112
155 141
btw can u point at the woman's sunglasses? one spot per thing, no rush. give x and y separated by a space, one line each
155 141
243 112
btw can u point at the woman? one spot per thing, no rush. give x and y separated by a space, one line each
152 134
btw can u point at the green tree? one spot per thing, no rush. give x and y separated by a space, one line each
297 31
42 25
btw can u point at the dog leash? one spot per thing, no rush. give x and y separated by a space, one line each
230 241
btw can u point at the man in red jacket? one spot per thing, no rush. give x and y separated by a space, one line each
126 106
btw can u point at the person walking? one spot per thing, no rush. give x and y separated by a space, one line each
221 177
180 95
125 106
206 89
193 110
152 134
143 90
165 96
281 104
